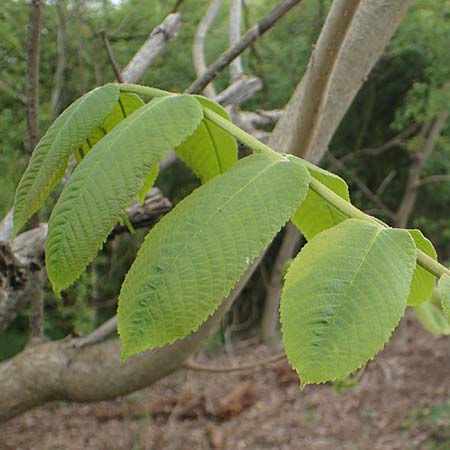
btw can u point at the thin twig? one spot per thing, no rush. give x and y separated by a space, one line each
397 140
98 335
240 90
434 179
385 183
211 369
249 37
361 186
111 59
4 86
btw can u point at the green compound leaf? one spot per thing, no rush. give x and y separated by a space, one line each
344 294
444 291
127 104
108 178
423 281
195 255
316 214
210 151
432 318
51 156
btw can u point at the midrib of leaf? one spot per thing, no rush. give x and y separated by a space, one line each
219 165
350 284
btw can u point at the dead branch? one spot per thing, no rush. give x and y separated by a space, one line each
100 334
151 48
198 47
249 120
19 264
273 115
249 38
239 91
155 206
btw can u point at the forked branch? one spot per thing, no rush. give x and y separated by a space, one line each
249 37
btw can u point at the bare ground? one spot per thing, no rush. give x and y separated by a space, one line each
261 409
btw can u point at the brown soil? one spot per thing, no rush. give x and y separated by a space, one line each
259 409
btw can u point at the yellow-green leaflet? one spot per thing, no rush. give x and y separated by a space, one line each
50 158
344 294
316 214
195 255
423 281
107 179
210 150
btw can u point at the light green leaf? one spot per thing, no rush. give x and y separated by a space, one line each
148 184
210 151
108 178
444 291
344 294
316 214
423 281
193 257
432 318
50 158
127 104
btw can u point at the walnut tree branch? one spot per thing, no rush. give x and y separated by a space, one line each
151 48
249 37
60 370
